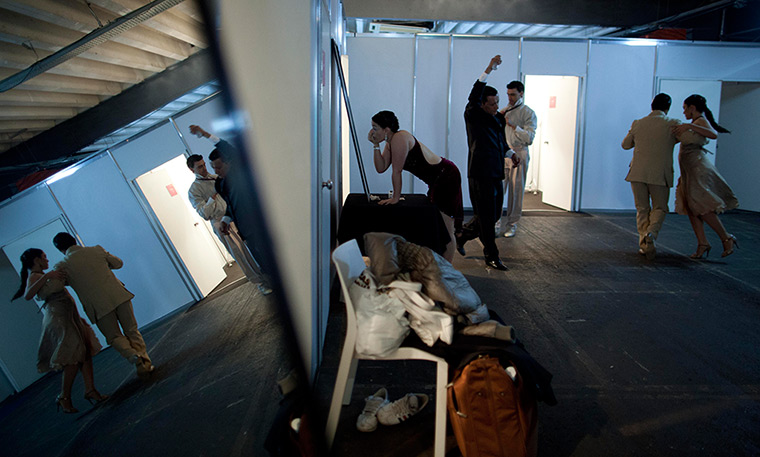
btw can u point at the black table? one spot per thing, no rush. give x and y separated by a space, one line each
415 218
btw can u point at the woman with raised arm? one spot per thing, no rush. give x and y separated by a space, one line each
67 342
403 151
702 193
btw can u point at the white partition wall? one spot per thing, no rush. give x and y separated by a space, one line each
379 72
101 206
20 320
620 85
470 59
431 97
738 160
212 117
618 79
554 57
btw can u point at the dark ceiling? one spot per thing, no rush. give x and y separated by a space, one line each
79 81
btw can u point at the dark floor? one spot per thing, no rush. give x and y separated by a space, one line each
657 358
213 389
652 359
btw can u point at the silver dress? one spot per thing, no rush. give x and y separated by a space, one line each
66 338
701 189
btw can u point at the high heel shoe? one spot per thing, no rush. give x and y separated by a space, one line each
64 403
95 396
702 250
731 241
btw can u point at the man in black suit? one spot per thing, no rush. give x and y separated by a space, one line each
242 205
485 165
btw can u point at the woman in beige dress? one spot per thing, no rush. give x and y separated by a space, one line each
702 193
67 342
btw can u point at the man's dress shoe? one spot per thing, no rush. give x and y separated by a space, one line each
460 241
496 265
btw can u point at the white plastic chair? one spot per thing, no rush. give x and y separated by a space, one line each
349 263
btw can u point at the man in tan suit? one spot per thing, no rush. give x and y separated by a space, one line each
104 298
651 173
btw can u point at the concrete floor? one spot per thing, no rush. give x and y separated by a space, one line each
649 358
213 392
655 358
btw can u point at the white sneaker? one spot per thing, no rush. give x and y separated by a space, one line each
402 409
510 231
367 420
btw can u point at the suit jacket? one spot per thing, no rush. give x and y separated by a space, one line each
485 138
653 143
88 272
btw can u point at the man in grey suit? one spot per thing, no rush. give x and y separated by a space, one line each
106 301
651 170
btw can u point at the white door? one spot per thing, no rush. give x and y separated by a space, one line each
679 89
552 155
325 183
184 228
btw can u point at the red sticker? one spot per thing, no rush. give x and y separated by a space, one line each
553 101
172 190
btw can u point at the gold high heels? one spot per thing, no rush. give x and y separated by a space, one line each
702 250
95 396
64 403
728 245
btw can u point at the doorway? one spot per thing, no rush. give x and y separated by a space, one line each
165 189
552 154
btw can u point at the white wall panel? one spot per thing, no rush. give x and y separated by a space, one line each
104 211
471 57
26 211
380 78
554 58
726 63
148 151
619 90
432 97
738 160
212 117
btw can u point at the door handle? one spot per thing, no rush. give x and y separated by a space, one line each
328 184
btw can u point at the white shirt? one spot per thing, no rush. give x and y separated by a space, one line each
525 122
201 195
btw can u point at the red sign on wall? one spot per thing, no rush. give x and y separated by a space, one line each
172 190
553 101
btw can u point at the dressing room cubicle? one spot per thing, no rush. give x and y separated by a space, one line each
132 200
585 93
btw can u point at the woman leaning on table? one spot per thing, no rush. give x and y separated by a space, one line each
403 151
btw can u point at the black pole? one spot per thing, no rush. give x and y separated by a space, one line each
336 57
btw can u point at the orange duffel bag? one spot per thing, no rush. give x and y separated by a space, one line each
492 414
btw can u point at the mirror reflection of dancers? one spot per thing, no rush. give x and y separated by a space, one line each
702 192
403 151
67 342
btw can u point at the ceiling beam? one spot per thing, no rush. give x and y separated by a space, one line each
16 126
33 112
76 16
68 84
19 57
38 98
169 22
74 134
24 30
